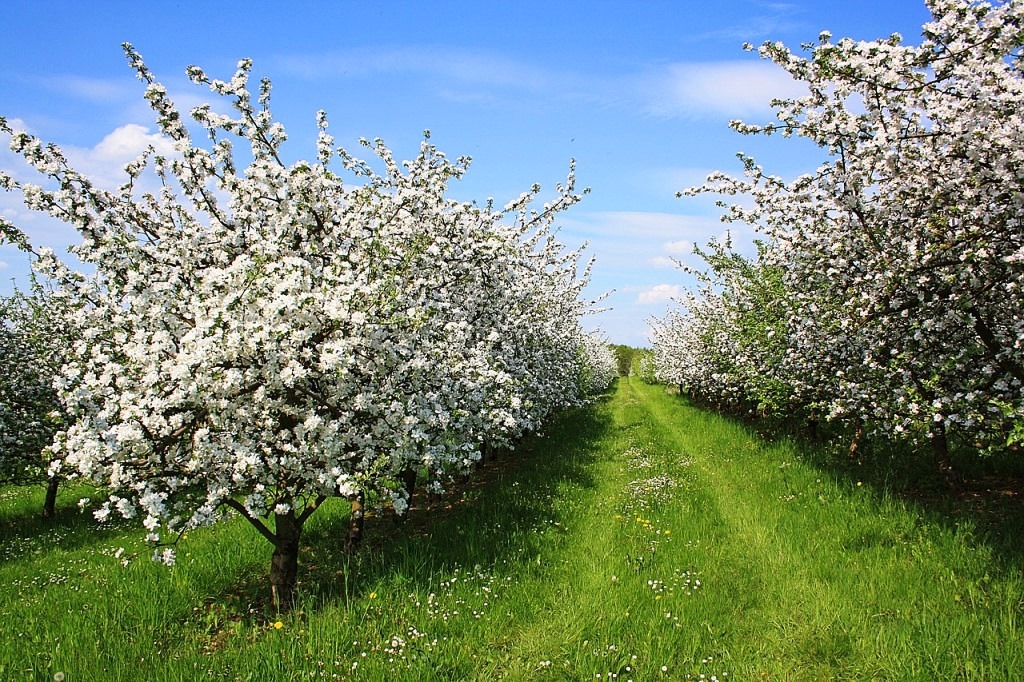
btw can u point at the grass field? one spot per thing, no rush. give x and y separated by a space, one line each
639 539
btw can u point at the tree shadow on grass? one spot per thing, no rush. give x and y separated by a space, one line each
493 520
23 528
991 504
495 517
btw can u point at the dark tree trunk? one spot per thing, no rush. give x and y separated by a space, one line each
355 522
858 436
408 477
284 565
940 452
812 429
50 504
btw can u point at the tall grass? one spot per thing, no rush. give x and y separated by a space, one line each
639 539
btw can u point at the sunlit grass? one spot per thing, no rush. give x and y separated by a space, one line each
639 539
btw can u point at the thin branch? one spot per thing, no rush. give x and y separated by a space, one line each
260 526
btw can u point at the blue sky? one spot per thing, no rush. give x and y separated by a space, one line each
639 93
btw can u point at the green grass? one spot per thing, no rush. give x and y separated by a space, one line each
639 539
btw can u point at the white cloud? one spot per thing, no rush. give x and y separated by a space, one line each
727 88
675 251
4 265
449 64
660 293
631 225
664 262
104 163
18 124
127 142
102 90
682 246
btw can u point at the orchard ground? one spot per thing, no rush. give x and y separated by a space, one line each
641 538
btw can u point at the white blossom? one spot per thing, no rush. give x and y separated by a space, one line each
264 337
891 275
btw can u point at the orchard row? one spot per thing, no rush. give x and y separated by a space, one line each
259 335
886 291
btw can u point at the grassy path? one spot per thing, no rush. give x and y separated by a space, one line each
826 580
816 579
640 539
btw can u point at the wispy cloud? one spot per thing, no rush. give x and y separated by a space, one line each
668 180
19 124
103 90
631 225
678 89
41 229
726 88
769 19
476 77
660 293
664 262
634 241
447 64
682 246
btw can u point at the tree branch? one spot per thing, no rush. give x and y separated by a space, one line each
260 526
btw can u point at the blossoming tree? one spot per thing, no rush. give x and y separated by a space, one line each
902 254
34 337
259 339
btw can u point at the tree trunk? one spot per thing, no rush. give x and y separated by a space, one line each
355 522
940 452
811 428
50 504
284 565
408 477
858 436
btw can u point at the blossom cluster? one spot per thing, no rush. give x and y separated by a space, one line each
600 366
887 290
261 337
34 336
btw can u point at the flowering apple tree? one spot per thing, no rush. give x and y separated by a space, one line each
34 338
601 366
903 253
727 342
260 338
